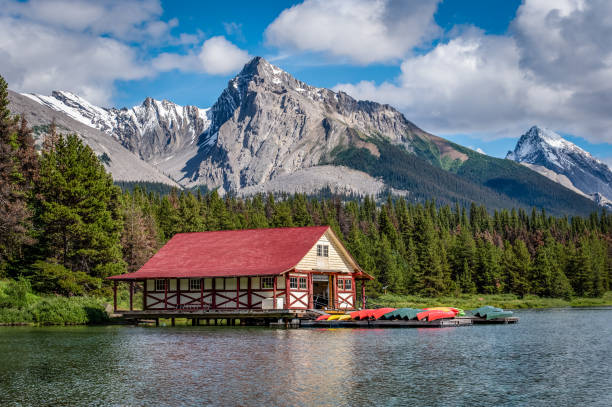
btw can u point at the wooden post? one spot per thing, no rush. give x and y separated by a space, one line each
178 293
156 321
354 285
173 322
213 302
144 295
131 295
363 298
166 284
249 301
310 291
237 292
201 294
115 295
274 293
287 302
193 321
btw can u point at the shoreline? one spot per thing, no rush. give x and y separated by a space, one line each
472 301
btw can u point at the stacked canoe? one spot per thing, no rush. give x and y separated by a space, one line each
486 313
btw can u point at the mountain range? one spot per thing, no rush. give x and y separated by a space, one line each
270 132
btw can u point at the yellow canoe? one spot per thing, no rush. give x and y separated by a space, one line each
334 317
344 318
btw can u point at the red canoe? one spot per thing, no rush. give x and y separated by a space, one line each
355 314
433 315
322 318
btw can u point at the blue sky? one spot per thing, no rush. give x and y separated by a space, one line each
479 72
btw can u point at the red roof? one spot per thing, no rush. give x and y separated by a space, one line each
230 253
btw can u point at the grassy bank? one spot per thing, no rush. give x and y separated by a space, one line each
18 305
468 301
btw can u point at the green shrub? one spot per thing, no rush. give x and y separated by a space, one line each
17 294
69 311
55 278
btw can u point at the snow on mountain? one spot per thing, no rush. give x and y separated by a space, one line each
162 133
121 163
548 153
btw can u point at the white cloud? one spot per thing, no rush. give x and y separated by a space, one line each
217 56
85 47
125 20
40 59
554 69
364 31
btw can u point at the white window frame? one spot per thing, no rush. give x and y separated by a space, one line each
348 282
195 284
157 284
267 283
293 283
303 286
322 250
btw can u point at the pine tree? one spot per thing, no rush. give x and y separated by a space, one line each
18 171
78 217
138 238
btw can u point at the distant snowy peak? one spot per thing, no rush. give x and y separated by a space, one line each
541 144
545 149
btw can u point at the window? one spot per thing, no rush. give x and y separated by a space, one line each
194 284
293 283
348 285
267 282
345 284
322 250
303 283
160 285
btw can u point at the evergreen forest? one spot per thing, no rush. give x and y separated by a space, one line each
65 226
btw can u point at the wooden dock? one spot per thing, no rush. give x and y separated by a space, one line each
218 316
285 318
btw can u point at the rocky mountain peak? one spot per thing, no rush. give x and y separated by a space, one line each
543 148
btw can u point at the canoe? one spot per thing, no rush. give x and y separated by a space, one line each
334 317
366 314
355 314
501 314
483 311
322 318
377 313
344 318
455 310
423 314
406 313
434 314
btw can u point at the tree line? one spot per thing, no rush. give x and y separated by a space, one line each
65 226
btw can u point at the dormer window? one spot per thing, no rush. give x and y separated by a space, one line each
322 250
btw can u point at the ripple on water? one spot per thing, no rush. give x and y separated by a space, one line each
552 357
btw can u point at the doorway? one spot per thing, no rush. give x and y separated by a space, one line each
320 291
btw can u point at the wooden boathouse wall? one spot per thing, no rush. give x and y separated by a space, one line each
291 290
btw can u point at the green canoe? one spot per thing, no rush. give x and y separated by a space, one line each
402 313
501 314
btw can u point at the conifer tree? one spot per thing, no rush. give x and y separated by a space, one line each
78 217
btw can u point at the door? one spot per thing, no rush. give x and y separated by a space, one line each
320 291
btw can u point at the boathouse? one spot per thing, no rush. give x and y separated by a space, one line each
258 269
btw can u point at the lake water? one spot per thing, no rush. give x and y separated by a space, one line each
560 357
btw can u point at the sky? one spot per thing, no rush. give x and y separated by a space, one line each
478 72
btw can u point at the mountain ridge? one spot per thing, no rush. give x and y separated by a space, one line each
267 125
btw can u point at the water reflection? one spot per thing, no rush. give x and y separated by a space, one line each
551 357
